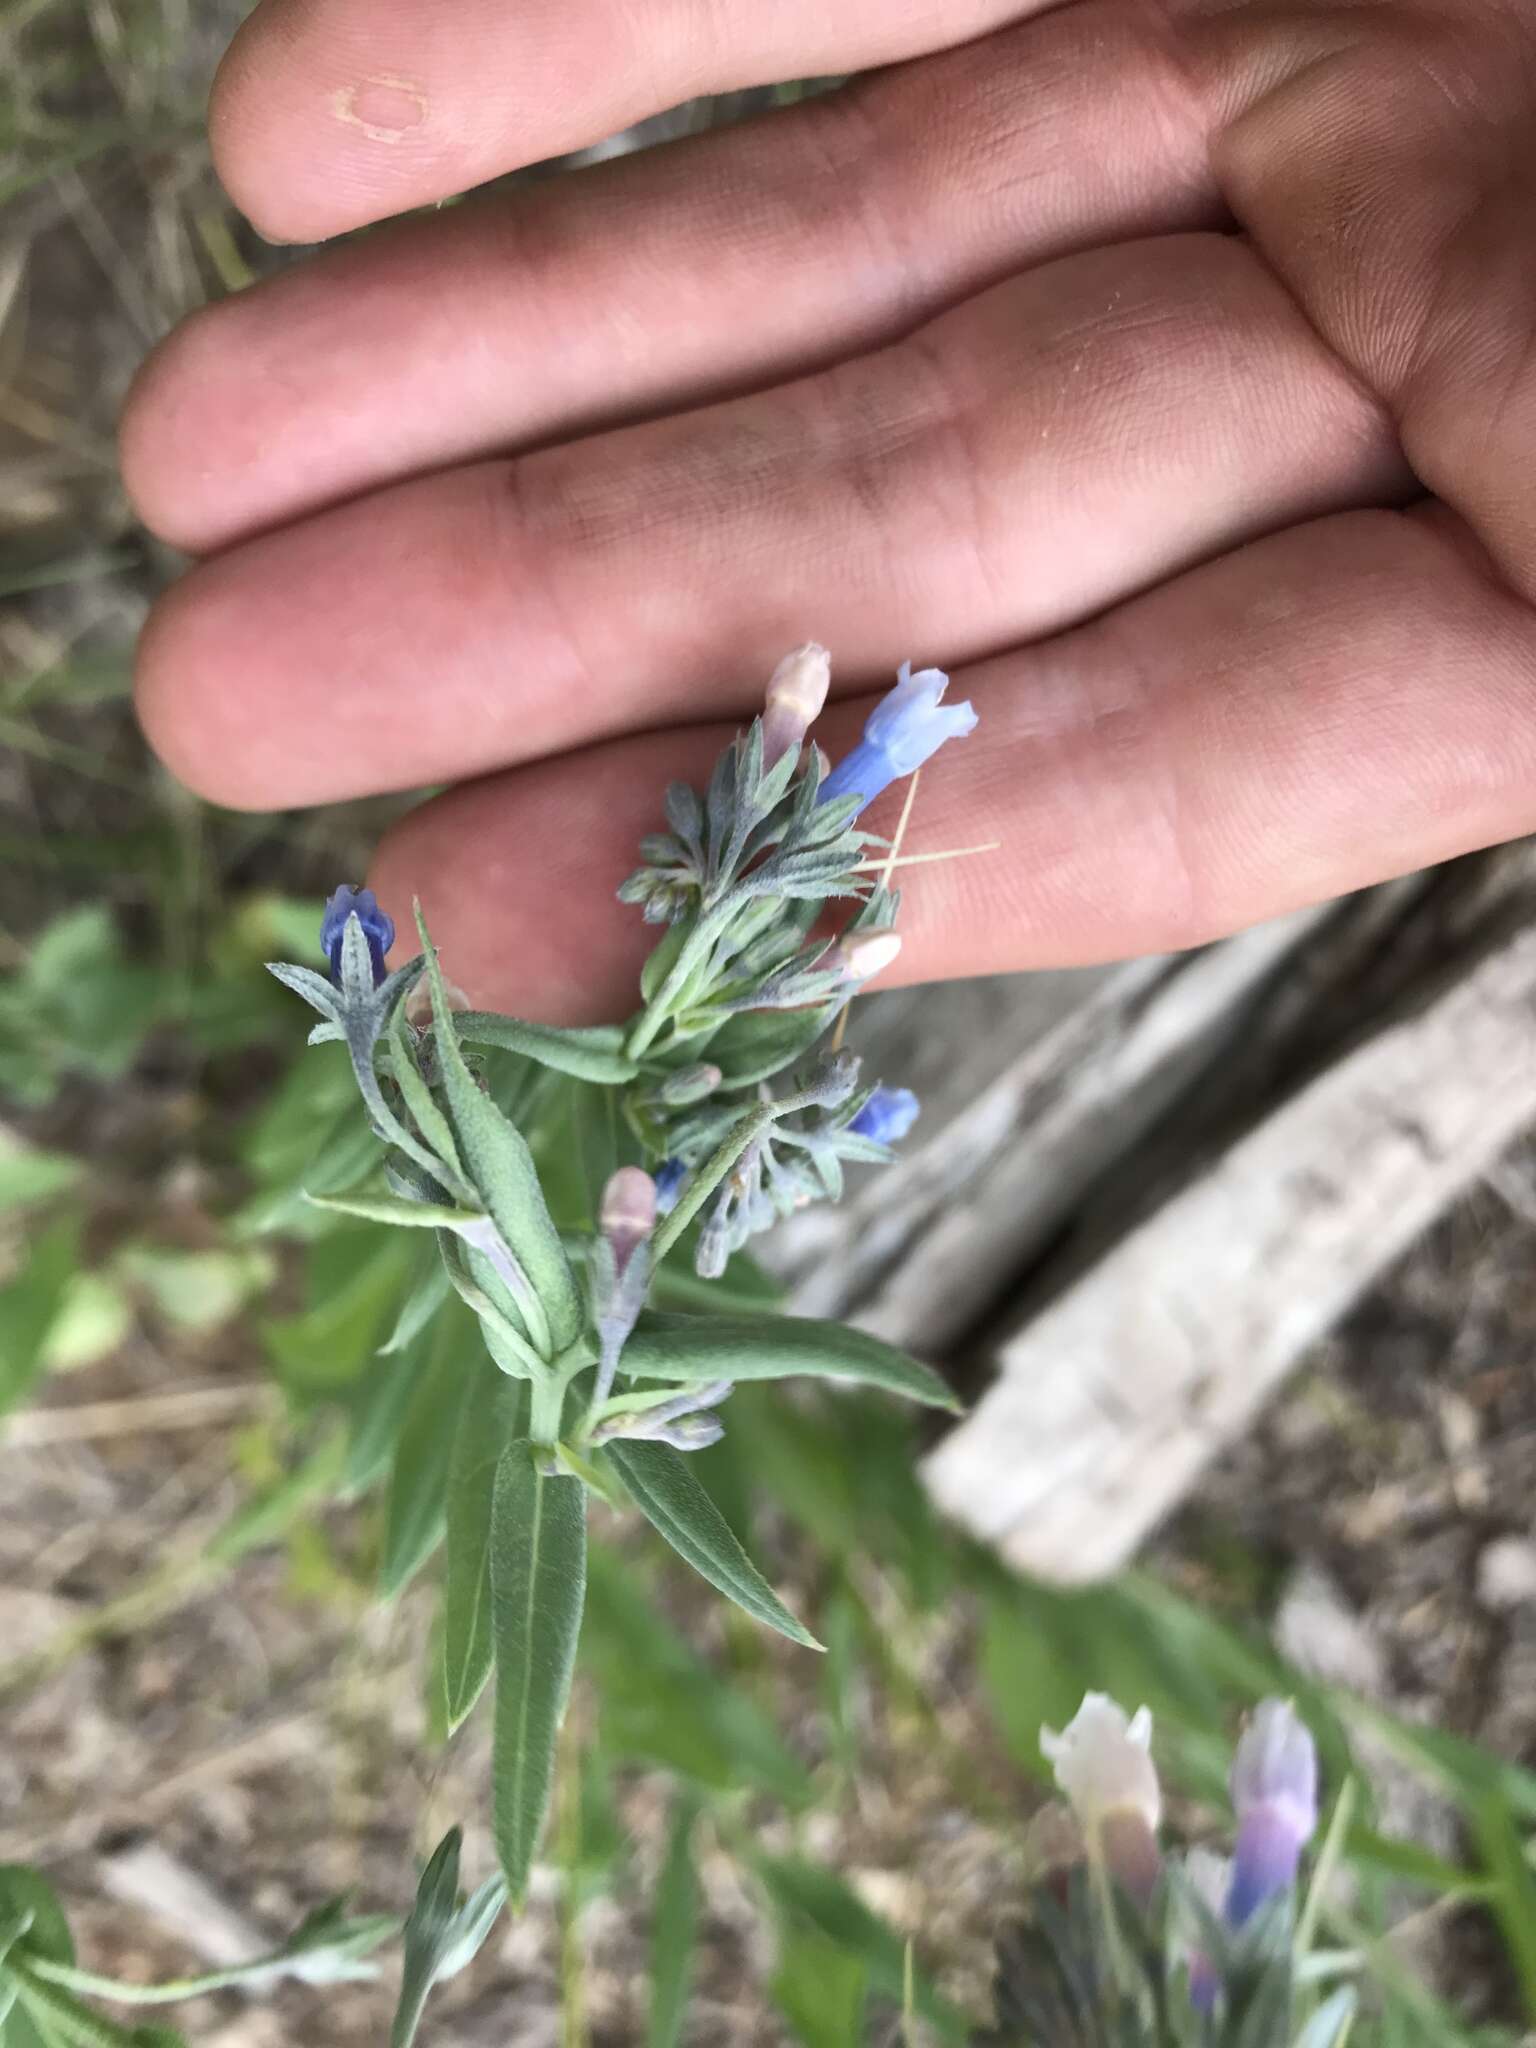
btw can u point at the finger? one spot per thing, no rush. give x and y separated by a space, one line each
1343 702
1390 177
327 114
1038 453
587 299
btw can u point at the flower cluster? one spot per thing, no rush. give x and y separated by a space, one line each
1220 1924
749 986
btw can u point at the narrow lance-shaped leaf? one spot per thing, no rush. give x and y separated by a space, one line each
494 1410
418 1480
441 1936
498 1158
593 1053
681 1347
674 1931
538 1580
675 1504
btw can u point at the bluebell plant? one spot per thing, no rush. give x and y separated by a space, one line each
718 1113
1126 1942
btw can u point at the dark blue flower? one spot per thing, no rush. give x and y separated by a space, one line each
905 729
1274 1789
378 928
887 1116
669 1178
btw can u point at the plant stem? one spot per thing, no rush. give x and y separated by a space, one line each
709 1176
659 1009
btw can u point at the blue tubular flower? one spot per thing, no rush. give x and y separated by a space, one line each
905 729
378 928
1274 1789
887 1116
669 1178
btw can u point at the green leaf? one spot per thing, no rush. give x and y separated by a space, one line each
807 1894
538 1580
29 1175
495 1410
674 1503
688 1348
592 1053
674 1930
28 1306
662 1703
1513 1901
821 1989
423 1299
1329 2025
28 1895
327 1947
419 1100
760 1043
427 1936
418 1480
502 1167
394 1209
377 1415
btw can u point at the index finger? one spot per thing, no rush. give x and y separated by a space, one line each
328 114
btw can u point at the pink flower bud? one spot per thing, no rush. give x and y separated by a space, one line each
797 690
628 1212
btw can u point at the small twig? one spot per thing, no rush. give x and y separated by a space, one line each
141 1415
887 869
886 862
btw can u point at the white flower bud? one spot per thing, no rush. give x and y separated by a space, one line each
867 954
797 690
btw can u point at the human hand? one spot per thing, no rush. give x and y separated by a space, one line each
1109 355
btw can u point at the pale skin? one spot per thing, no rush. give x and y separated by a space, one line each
1165 369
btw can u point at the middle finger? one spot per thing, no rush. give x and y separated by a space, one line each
1021 462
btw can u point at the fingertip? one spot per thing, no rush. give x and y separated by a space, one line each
173 432
186 710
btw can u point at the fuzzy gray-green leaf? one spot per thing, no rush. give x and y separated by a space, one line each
483 1428
538 1581
686 1348
675 1504
498 1160
593 1053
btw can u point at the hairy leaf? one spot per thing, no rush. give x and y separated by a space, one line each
538 1581
686 1348
592 1053
674 1503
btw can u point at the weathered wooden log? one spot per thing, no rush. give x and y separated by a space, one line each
1112 1398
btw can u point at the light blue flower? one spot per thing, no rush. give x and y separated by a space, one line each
887 1116
905 729
378 928
670 1176
1274 1789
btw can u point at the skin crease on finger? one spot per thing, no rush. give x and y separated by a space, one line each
1045 450
617 292
1334 705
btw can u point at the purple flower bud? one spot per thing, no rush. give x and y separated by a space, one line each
797 689
378 928
670 1176
905 729
887 1116
1274 1789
